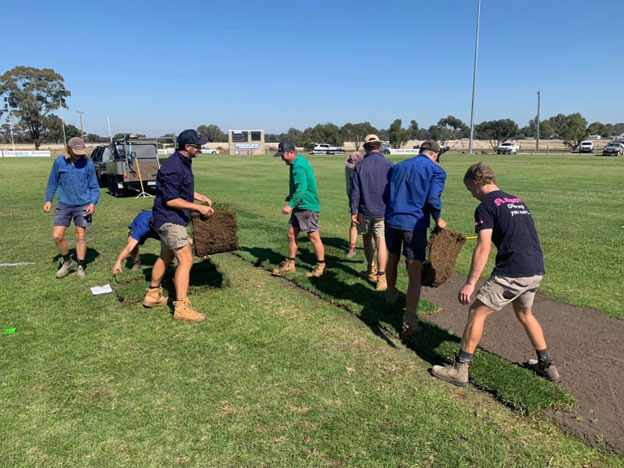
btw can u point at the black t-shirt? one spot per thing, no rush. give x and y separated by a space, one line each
514 234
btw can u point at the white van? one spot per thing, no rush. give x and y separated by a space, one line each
586 147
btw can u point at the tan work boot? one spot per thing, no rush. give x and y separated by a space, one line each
183 311
370 273
382 284
317 271
154 298
456 373
287 266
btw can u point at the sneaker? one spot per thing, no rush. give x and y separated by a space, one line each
549 373
456 373
382 284
66 268
154 298
351 252
317 271
392 296
80 273
287 266
370 273
184 312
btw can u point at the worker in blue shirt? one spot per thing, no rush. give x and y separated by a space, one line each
141 229
74 176
412 196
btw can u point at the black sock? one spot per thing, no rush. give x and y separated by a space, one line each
66 258
463 356
543 357
154 287
320 261
291 258
81 263
381 273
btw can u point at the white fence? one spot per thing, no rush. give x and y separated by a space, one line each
25 154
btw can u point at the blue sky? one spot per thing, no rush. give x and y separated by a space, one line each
162 66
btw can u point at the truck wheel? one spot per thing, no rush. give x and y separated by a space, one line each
112 186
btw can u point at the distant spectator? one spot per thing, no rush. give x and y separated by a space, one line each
350 163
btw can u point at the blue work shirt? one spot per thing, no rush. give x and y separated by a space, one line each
370 178
174 180
77 183
413 193
141 228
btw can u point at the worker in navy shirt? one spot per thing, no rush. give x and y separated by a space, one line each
175 198
141 229
412 196
73 175
504 219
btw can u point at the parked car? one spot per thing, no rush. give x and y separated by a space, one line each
206 150
324 148
586 147
385 148
614 148
508 147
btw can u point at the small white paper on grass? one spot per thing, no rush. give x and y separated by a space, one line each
96 290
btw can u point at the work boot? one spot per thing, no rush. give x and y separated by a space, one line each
382 284
392 296
456 373
317 271
154 298
351 252
548 372
183 311
287 266
80 273
370 273
66 268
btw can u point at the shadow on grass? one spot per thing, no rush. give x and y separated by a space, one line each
90 256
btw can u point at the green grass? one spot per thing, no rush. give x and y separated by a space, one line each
275 377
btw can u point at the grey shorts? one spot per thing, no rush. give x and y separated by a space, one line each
498 291
63 215
304 220
173 236
372 226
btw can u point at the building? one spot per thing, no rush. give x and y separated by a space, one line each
246 142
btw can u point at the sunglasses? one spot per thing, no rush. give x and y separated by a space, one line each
196 146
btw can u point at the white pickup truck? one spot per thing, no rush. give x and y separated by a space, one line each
509 147
324 148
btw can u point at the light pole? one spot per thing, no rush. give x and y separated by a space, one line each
81 131
537 122
474 79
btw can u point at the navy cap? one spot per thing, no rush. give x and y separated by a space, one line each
283 147
190 137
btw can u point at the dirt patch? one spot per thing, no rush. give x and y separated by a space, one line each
444 247
585 345
214 234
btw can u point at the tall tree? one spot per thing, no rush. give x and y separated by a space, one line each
413 129
212 133
32 93
449 128
596 128
497 131
397 135
357 132
572 129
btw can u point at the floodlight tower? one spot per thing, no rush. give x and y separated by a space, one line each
81 131
474 79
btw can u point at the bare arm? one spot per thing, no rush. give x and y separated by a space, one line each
479 260
132 243
202 198
182 204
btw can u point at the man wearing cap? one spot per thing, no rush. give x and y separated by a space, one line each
349 169
74 176
412 196
368 208
303 207
175 198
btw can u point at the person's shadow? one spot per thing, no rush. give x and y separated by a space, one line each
90 256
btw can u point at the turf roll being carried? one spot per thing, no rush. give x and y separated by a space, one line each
214 234
444 247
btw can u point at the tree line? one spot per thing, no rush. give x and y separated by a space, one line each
32 95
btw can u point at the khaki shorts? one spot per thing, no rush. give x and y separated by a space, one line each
173 236
373 226
498 291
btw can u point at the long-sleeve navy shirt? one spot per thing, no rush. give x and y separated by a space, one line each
413 193
76 182
370 178
174 180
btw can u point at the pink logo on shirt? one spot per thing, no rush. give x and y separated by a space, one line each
501 201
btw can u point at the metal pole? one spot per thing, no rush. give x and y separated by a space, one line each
81 131
474 79
537 122
62 122
110 135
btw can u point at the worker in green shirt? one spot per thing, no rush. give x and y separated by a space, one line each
303 207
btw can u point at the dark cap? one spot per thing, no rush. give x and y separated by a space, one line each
283 147
190 137
430 145
77 145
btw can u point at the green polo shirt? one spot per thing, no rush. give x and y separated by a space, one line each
302 186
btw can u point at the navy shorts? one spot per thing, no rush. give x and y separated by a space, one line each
414 242
304 220
63 215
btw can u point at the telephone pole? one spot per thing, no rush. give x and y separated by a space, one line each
81 130
474 79
537 122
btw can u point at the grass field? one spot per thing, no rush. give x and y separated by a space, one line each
275 377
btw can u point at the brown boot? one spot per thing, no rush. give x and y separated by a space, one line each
317 271
184 312
287 266
370 273
381 285
154 298
456 373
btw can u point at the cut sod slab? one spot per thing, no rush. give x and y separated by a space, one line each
444 248
214 234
